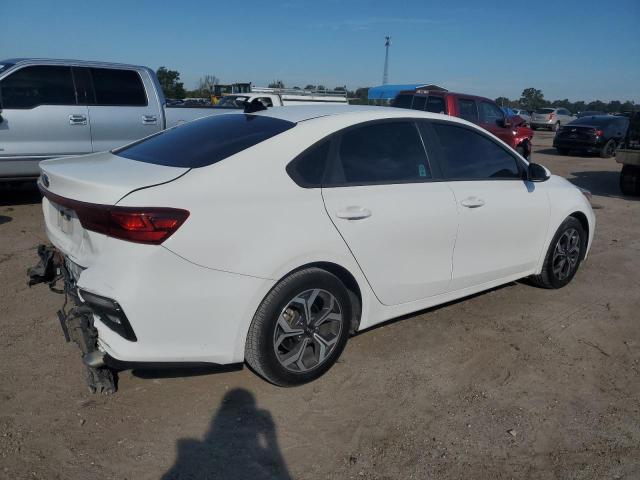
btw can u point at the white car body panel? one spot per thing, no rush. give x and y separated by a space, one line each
193 297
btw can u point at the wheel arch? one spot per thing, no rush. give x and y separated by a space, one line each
582 218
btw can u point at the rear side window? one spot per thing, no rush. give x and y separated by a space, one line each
118 87
467 155
544 110
402 101
38 85
436 105
205 141
308 169
380 153
468 110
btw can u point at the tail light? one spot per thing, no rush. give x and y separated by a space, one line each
151 225
551 115
599 133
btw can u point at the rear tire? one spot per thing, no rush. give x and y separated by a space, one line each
630 180
300 328
608 150
563 258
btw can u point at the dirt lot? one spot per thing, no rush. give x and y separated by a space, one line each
515 383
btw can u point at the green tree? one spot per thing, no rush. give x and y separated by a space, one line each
321 88
310 87
170 82
597 105
614 106
532 99
579 106
503 102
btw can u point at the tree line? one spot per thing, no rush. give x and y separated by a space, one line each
532 99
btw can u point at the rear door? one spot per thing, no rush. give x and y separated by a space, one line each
120 110
399 224
41 118
503 219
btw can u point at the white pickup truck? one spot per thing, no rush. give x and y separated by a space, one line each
56 108
279 97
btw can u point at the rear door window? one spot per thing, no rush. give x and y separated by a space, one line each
469 155
435 104
468 109
206 141
402 101
38 85
419 101
118 87
388 152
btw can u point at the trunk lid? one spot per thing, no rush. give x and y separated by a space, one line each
102 178
98 179
578 132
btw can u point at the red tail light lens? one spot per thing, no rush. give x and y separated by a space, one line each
551 115
147 225
152 225
599 133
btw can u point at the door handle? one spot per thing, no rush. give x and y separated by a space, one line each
149 119
472 202
354 213
77 120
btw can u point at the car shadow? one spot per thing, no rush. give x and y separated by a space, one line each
22 193
601 183
241 444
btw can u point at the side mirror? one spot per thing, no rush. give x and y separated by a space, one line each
504 122
538 173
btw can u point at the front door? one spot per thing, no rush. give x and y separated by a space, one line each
40 119
398 223
492 119
503 219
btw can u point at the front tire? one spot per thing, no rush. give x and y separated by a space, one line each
565 253
300 328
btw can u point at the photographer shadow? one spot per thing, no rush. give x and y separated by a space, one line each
241 443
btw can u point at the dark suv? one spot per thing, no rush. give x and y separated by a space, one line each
599 134
479 110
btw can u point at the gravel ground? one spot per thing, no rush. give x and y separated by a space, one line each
518 382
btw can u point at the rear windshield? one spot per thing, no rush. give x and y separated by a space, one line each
205 141
545 110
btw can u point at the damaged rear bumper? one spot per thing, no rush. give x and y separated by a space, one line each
76 316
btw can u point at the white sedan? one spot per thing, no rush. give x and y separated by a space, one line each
270 237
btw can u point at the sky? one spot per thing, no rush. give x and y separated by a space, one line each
575 49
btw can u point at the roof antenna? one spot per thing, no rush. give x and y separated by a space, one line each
253 106
385 75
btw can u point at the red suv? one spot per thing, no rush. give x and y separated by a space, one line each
479 110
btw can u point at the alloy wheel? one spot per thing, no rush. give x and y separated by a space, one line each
566 254
307 330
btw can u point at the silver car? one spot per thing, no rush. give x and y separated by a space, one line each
523 114
551 118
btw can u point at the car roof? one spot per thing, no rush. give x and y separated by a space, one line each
58 61
302 113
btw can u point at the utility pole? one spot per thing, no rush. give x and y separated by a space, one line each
385 75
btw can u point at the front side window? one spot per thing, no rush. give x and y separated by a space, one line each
118 87
468 110
206 141
435 104
469 155
38 85
380 153
489 113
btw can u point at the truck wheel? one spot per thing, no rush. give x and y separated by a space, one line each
300 328
608 150
630 180
563 258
